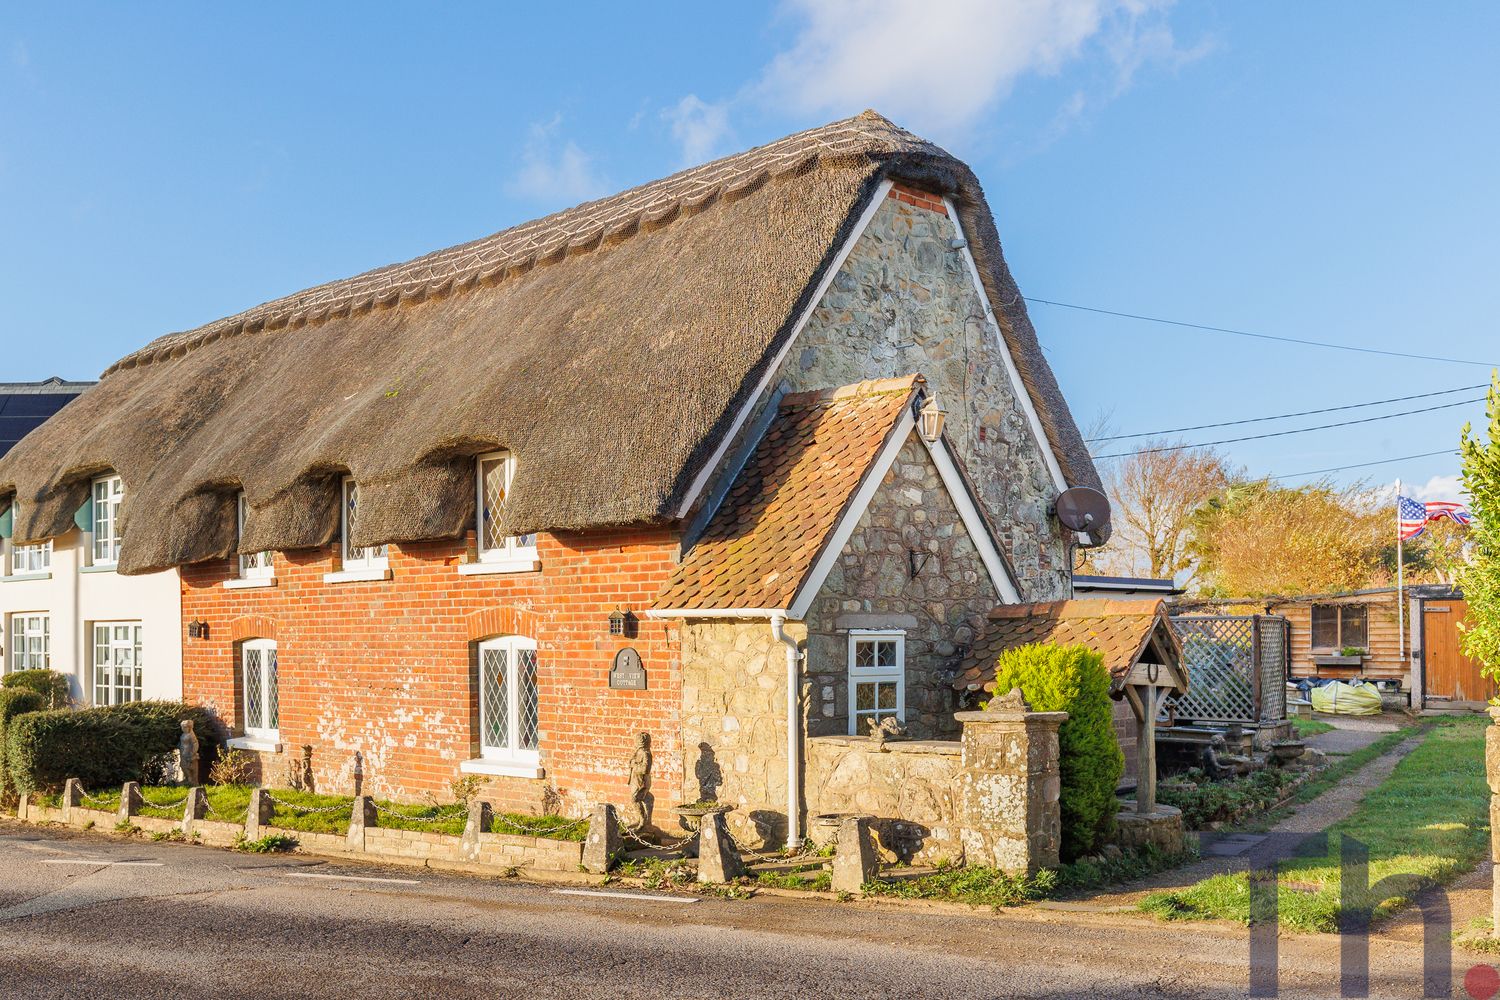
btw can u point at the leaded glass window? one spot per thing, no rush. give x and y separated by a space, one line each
262 689
253 565
355 556
508 719
494 475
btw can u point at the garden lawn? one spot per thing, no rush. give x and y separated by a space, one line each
1311 727
156 801
1430 819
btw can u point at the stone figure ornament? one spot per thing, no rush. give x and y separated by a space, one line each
1012 701
640 772
887 729
187 754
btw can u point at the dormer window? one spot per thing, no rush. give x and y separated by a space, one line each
253 565
109 491
498 552
355 557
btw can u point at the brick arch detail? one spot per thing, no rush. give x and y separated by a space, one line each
504 619
252 627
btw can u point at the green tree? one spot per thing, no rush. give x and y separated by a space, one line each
1479 578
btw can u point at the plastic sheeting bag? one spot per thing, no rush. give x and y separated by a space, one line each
1339 698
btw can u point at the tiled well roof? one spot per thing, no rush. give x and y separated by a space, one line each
1117 630
764 539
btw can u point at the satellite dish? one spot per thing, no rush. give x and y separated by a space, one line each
1082 509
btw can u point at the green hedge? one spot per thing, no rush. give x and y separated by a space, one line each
51 685
14 701
102 747
1073 679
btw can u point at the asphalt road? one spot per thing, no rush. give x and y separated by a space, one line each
86 915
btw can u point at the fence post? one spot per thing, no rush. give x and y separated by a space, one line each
130 800
854 860
194 809
258 813
718 860
604 843
481 815
361 815
72 798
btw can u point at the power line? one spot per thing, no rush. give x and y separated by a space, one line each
1298 430
1258 336
1284 416
1362 465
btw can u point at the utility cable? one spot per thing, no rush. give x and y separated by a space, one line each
1284 416
1298 430
1259 336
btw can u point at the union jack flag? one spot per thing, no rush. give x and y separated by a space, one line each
1414 515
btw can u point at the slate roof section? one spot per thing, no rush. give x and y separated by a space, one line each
764 539
25 406
1117 630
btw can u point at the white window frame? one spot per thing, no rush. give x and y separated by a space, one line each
259 728
513 554
30 637
106 494
112 691
254 566
511 759
875 675
374 558
31 560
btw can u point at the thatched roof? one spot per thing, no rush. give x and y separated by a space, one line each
608 346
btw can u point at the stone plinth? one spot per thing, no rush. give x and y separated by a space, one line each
1161 828
1010 786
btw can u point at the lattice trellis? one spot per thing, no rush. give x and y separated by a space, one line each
1236 668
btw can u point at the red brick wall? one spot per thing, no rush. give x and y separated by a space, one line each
918 198
383 668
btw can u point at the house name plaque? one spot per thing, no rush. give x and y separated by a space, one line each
627 673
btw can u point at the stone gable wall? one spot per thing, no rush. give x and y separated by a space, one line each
871 587
905 302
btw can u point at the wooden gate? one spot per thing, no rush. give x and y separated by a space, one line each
1448 673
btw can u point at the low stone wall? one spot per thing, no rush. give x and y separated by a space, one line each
492 852
909 788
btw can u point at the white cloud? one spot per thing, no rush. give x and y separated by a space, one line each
1439 488
699 127
940 64
556 171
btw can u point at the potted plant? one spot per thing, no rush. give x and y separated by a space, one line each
1349 656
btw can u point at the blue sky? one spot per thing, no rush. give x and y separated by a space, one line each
1325 171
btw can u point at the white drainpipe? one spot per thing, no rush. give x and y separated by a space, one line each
793 730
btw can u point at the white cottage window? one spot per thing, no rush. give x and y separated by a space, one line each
253 565
262 689
877 678
109 491
31 559
498 551
509 734
117 662
30 643
370 557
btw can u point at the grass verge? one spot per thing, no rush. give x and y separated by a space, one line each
1427 822
1311 727
1331 775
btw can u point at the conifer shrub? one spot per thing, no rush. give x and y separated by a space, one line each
1073 679
51 685
101 747
14 701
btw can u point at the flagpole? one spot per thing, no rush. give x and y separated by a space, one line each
1400 581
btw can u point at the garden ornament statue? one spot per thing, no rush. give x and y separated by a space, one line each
640 772
187 754
887 729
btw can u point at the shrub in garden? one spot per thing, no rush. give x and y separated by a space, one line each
51 685
1073 679
102 747
14 701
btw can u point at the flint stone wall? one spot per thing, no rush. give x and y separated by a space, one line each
911 790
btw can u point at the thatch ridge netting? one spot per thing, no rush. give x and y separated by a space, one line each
607 347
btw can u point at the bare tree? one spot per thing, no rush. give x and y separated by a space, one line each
1154 494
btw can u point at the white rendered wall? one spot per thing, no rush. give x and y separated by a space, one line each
75 596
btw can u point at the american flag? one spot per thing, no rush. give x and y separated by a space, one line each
1414 514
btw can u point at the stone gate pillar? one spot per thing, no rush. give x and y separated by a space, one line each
1010 786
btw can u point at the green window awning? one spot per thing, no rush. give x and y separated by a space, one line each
8 522
85 516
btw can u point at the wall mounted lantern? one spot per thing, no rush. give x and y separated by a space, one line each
197 629
930 420
617 622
